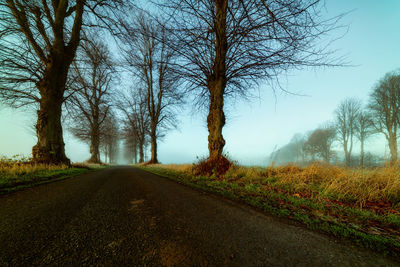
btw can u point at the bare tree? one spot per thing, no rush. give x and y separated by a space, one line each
93 74
38 42
147 56
384 105
364 129
319 143
137 121
297 143
227 46
130 143
293 152
110 138
346 122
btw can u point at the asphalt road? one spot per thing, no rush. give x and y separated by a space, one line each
124 216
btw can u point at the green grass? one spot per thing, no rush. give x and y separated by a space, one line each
343 221
11 181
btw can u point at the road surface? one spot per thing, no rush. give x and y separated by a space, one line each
126 216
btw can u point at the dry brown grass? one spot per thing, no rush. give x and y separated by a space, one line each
20 165
186 168
351 185
18 169
345 184
19 172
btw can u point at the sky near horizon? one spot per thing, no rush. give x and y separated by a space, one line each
255 128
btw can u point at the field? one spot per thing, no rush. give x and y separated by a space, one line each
18 173
360 204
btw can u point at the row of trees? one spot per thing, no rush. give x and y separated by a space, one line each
381 115
147 110
352 121
85 75
90 105
38 44
211 49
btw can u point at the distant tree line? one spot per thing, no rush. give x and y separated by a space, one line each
352 122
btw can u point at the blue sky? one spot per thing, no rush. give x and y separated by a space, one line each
253 129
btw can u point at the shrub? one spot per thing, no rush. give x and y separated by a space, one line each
210 167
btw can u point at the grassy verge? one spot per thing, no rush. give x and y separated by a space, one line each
371 224
18 173
11 183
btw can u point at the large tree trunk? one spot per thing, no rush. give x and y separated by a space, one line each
216 85
94 146
50 145
111 153
135 155
346 154
153 141
326 156
348 159
393 148
362 153
141 152
216 120
349 151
